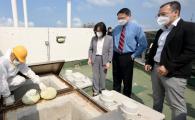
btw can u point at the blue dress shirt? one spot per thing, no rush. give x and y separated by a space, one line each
135 39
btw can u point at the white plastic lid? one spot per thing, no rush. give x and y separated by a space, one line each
129 107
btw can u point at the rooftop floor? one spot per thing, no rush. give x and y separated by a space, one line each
142 87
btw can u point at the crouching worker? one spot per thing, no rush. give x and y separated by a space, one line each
10 64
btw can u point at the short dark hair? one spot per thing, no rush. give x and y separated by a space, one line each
124 11
109 28
175 5
102 27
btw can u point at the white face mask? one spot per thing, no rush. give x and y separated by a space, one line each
163 20
16 62
99 34
122 21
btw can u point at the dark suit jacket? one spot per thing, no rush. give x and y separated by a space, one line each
178 51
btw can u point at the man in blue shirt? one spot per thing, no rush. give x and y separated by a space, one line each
129 43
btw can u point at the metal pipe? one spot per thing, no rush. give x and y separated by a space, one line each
69 13
14 12
25 13
48 46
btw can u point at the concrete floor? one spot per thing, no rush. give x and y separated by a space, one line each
142 89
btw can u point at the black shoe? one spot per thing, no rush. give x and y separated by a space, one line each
95 94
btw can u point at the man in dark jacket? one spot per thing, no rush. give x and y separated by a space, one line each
170 59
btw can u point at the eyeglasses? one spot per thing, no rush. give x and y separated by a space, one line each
17 59
163 14
121 18
98 31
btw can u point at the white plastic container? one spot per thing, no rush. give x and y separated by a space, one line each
68 72
107 96
129 110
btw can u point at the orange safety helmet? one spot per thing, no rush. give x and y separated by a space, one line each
20 52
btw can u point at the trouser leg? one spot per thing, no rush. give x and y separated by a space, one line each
96 75
103 72
175 88
16 82
158 90
117 77
127 68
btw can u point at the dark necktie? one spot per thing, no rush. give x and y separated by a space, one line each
122 40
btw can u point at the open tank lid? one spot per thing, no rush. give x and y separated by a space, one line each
47 67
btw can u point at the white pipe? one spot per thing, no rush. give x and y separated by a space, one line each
25 13
14 12
69 13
